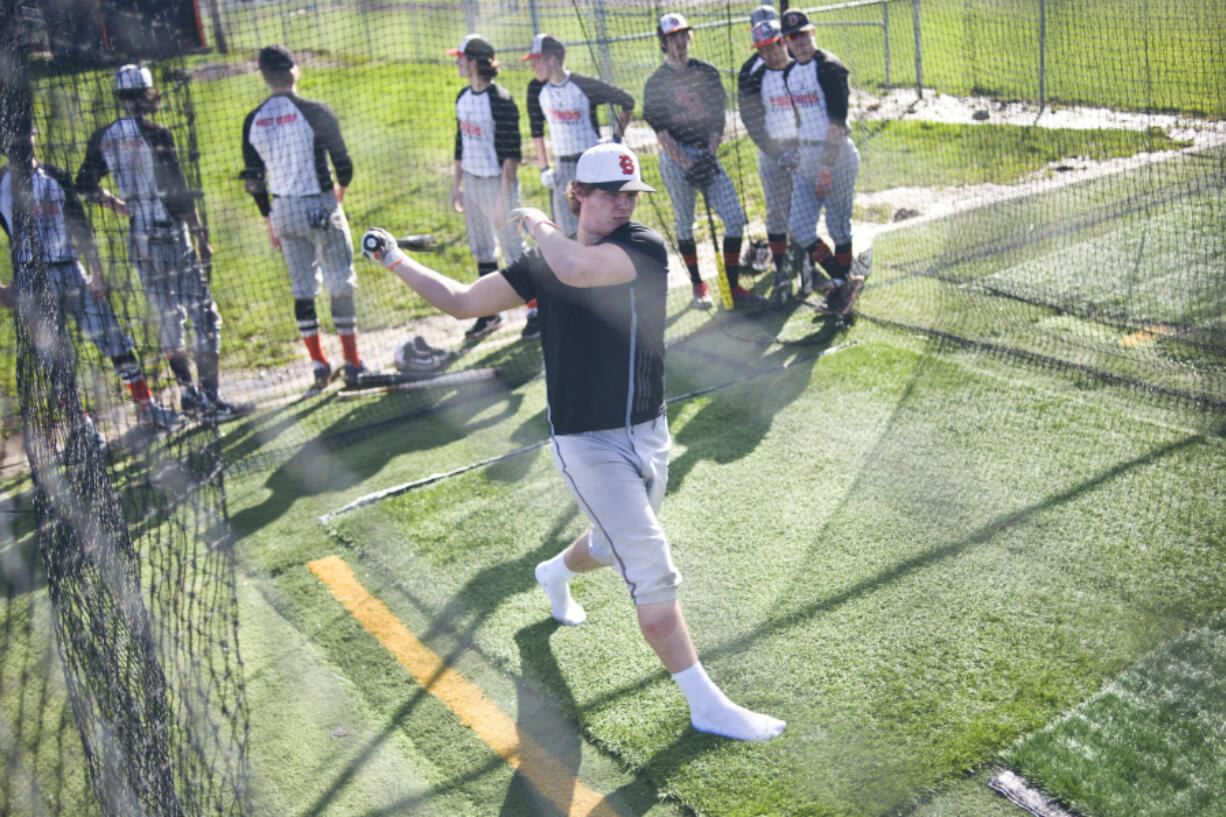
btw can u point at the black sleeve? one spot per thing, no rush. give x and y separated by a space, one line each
715 97
253 168
536 116
600 92
655 112
94 168
752 109
75 222
645 248
175 194
519 275
832 76
328 137
506 125
459 139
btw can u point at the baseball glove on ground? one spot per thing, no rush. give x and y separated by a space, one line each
702 172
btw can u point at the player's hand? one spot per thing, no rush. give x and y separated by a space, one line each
272 237
528 219
8 298
457 200
789 160
380 246
549 178
339 192
824 181
97 286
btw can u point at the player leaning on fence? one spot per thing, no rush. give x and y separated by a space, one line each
287 141
829 161
766 109
602 297
485 184
684 102
140 156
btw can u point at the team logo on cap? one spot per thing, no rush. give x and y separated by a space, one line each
627 164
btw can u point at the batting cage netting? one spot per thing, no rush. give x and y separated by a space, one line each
188 184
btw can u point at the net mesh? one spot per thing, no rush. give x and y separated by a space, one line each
1034 180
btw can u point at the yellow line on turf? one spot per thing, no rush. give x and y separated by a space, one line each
1144 336
468 702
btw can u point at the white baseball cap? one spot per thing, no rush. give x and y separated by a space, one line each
613 167
762 12
671 23
132 77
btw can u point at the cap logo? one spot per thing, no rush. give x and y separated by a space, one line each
627 165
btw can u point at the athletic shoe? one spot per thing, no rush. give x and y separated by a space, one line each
352 375
702 296
851 290
744 299
323 376
532 327
483 326
781 293
219 411
100 442
836 300
192 401
157 416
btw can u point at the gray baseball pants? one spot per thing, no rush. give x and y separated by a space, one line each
721 195
807 207
488 227
314 255
174 285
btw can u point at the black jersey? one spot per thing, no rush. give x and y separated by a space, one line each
603 346
286 145
487 130
570 109
687 102
140 155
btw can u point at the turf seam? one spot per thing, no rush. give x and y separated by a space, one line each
405 487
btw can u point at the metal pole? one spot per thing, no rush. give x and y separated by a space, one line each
919 60
536 20
885 25
1042 54
606 60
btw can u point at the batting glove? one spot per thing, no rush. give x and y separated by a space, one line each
789 160
380 246
528 219
823 182
549 178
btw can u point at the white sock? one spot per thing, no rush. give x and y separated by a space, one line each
554 577
712 711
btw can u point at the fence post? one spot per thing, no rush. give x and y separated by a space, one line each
536 20
606 62
1042 54
885 27
919 60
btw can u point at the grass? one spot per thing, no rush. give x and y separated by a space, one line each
1150 744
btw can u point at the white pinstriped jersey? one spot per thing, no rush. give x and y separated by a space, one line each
809 100
569 113
130 160
48 203
290 136
779 115
487 133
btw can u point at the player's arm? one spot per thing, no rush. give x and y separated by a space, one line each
78 229
673 149
575 264
832 76
89 178
485 296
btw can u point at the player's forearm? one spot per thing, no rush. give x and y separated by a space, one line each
542 155
443 293
510 172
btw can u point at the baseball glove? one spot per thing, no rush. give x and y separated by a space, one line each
702 172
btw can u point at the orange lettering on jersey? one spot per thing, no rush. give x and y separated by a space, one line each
46 210
265 122
470 128
286 118
566 116
784 101
806 99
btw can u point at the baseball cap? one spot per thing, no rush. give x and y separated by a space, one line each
766 32
275 58
795 21
671 23
544 45
132 77
613 167
475 46
763 12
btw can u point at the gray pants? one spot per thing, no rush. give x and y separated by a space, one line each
175 288
618 477
777 189
314 254
721 195
564 173
488 227
807 207
94 317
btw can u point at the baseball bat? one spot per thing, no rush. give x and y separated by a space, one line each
445 379
420 242
725 291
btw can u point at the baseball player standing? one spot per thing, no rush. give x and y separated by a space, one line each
829 161
684 102
139 154
766 109
485 185
62 237
602 296
287 141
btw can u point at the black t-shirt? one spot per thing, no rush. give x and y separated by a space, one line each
603 346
